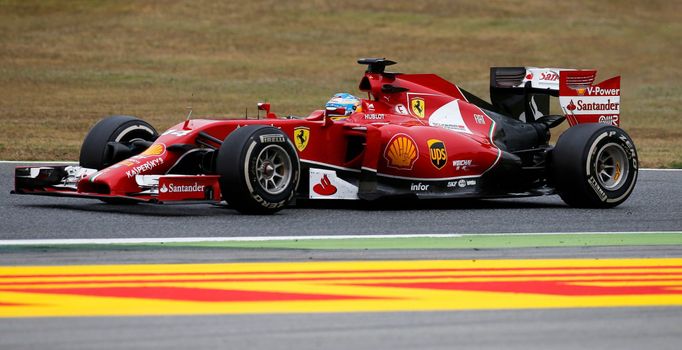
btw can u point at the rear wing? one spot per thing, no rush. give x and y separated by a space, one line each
523 93
583 102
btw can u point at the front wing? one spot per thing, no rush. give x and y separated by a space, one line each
63 181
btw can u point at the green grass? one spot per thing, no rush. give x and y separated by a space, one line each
65 64
473 241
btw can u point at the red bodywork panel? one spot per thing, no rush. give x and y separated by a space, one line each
412 127
420 134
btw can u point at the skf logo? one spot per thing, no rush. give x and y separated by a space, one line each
418 106
439 156
301 137
401 152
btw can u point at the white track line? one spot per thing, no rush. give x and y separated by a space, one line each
21 242
38 162
654 169
75 162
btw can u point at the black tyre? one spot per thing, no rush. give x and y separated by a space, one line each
96 153
259 169
594 166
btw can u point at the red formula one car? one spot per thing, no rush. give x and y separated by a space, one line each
415 135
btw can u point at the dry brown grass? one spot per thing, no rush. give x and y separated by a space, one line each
64 64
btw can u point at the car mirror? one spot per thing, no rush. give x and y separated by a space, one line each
335 111
264 106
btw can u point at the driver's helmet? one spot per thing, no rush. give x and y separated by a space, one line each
345 100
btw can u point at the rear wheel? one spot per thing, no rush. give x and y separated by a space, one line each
99 146
259 169
594 165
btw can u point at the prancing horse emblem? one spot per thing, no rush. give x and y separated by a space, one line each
301 137
418 106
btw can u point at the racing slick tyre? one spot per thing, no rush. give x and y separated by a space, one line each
594 166
259 169
97 153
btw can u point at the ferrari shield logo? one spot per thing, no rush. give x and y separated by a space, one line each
301 137
439 156
418 106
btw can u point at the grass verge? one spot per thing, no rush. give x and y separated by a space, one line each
64 65
469 241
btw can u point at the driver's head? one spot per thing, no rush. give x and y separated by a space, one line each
345 100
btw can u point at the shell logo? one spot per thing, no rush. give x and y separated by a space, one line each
401 152
154 150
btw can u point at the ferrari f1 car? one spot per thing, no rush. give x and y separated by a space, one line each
414 136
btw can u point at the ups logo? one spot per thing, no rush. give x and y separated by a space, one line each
439 156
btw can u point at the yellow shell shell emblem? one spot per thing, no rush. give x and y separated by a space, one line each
401 152
154 150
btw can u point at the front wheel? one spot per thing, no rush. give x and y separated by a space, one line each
259 169
97 151
594 166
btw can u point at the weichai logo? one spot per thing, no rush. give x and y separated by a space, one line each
439 156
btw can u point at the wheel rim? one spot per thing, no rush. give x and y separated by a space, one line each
135 132
612 166
273 169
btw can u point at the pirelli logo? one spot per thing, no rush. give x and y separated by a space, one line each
270 138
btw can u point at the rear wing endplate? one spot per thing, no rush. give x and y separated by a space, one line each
583 102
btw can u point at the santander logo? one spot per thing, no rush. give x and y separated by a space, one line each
325 187
173 188
571 106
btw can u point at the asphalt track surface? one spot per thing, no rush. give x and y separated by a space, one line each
655 205
618 328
